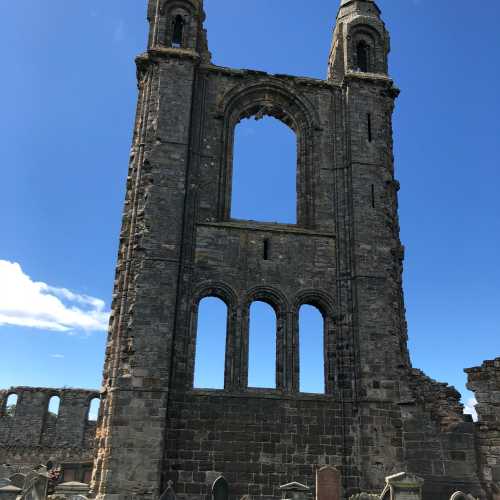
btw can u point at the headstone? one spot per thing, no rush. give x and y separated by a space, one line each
9 492
461 496
328 483
18 480
403 486
72 489
220 489
35 486
169 493
295 491
4 482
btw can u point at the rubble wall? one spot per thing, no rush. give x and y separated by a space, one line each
31 435
484 381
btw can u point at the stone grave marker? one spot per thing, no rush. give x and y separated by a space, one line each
403 486
328 483
18 480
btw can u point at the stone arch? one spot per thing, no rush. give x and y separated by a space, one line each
271 98
226 294
6 408
325 304
366 32
278 301
169 12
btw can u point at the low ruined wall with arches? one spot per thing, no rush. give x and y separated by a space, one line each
40 425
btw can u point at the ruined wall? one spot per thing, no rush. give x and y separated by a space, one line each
30 435
484 381
179 244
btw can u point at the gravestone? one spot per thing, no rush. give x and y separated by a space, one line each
4 482
403 486
220 489
461 496
169 493
18 480
35 486
328 483
294 491
9 492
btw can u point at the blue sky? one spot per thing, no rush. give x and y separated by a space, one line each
68 105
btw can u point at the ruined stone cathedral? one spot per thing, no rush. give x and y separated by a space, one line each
179 244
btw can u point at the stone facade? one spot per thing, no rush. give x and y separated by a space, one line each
31 436
180 244
485 382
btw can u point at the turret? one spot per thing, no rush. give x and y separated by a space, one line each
178 24
361 42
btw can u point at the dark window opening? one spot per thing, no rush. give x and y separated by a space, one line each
220 489
262 346
363 56
266 250
10 405
373 196
264 173
94 406
369 124
311 350
178 32
210 344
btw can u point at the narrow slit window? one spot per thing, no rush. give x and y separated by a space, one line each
373 195
266 250
363 56
53 407
369 126
178 32
94 410
210 344
11 405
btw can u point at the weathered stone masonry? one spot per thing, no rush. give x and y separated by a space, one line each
33 436
485 382
180 244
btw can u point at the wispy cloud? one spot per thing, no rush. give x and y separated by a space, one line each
470 408
119 31
57 356
24 302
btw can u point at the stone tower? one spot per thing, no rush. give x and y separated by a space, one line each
179 245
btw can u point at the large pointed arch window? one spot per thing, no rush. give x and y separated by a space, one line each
264 173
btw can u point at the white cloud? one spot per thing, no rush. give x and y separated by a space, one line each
57 356
24 302
119 31
470 408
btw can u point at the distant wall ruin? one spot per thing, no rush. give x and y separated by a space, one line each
31 435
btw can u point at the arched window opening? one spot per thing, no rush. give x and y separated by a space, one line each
94 407
363 56
262 346
53 406
11 405
210 344
177 32
264 172
220 489
311 347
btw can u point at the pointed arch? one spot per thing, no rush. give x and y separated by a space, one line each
275 99
220 489
177 31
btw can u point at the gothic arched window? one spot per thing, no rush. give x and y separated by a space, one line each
363 56
177 32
